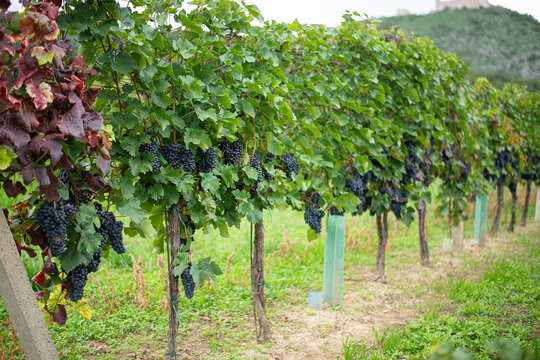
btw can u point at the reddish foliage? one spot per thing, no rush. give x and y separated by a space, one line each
44 100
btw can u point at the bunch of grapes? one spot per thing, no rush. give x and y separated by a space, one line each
177 155
256 164
77 279
397 198
335 211
110 229
465 173
232 151
96 260
513 187
54 221
151 148
207 160
291 166
187 281
269 159
313 218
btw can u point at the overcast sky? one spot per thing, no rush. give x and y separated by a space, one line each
329 12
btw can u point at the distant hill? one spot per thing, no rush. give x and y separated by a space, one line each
495 42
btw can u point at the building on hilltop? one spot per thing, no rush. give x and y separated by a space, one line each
460 4
401 12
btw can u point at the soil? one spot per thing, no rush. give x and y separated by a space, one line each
370 307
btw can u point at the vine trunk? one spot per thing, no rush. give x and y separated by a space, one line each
175 242
422 234
382 233
500 200
258 283
526 205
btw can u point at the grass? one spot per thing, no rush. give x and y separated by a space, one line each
504 303
217 323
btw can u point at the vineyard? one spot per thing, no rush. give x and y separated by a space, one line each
176 177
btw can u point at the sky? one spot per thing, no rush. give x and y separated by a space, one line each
329 12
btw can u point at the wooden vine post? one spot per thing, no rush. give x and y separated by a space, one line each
334 258
175 231
382 233
258 283
498 212
20 300
422 234
480 219
526 205
514 212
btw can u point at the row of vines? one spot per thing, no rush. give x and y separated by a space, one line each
186 117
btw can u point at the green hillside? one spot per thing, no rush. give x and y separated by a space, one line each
497 43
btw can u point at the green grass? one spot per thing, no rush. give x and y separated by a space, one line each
505 303
220 316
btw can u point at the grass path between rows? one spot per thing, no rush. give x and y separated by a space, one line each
454 300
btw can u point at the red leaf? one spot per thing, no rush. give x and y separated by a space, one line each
90 96
51 10
28 174
6 42
17 137
94 183
25 120
29 251
48 143
27 66
12 190
4 4
79 84
40 295
93 121
49 267
40 279
47 186
78 64
41 93
104 166
36 236
60 317
72 123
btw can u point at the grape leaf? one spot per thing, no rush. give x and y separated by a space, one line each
204 269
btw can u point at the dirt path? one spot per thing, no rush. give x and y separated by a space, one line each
369 306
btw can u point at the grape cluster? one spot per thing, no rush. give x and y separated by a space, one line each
502 159
397 198
178 155
207 160
110 229
151 148
513 187
291 166
187 281
269 159
465 173
335 211
53 221
313 218
232 151
256 164
96 260
77 279
358 185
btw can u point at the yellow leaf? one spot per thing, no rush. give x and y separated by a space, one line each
84 309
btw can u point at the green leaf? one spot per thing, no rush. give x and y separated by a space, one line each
180 263
204 269
248 108
210 183
6 156
123 63
223 229
132 210
162 100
